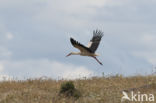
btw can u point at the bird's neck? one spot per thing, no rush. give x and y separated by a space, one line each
75 53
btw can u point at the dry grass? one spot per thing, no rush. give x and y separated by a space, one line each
93 90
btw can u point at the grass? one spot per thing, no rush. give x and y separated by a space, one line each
93 90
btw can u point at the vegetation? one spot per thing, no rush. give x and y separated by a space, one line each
68 90
92 90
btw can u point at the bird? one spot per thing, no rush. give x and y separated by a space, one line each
91 48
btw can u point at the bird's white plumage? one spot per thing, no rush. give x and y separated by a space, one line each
89 44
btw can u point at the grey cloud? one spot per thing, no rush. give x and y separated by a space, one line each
42 29
43 67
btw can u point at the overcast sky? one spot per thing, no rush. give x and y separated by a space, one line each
34 37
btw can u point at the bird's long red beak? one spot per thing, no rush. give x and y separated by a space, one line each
68 55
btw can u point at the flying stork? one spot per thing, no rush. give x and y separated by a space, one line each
91 48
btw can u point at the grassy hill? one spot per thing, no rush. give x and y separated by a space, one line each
93 90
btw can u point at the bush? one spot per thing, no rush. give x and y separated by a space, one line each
68 89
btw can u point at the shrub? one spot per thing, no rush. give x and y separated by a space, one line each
68 89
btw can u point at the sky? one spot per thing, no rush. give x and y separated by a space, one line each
34 37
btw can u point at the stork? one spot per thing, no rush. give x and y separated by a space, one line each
91 48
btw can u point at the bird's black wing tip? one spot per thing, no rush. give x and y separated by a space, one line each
98 32
73 42
71 38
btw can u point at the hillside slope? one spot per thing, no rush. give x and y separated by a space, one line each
93 90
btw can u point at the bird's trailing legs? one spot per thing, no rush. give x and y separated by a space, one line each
97 60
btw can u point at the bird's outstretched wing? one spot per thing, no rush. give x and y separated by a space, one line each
95 41
79 46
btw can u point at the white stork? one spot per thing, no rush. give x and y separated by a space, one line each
91 48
